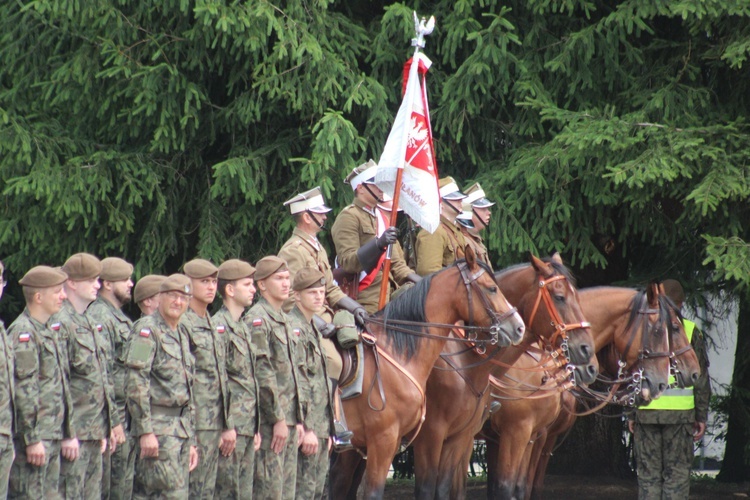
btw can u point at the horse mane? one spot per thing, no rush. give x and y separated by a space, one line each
409 306
640 303
559 269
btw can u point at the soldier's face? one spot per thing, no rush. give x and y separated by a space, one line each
311 299
244 291
51 299
172 305
149 305
481 217
85 289
122 290
204 289
277 286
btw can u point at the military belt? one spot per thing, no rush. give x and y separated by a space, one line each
168 411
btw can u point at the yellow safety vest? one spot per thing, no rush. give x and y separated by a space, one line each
676 398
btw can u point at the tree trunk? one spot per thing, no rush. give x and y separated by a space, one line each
736 464
594 447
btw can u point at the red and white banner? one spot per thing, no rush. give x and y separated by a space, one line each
409 146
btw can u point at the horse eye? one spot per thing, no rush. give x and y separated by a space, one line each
492 289
560 298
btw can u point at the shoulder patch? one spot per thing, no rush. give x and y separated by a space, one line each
55 326
145 332
24 337
297 332
221 328
99 327
257 321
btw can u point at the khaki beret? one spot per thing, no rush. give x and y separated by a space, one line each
200 268
673 290
82 266
43 277
235 269
147 287
269 265
308 277
177 283
116 269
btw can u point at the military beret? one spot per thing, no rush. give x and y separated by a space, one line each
200 268
235 269
673 289
308 277
82 266
43 277
116 269
147 287
269 265
176 283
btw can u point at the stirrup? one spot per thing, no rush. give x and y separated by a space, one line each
343 441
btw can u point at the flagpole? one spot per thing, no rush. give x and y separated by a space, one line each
421 28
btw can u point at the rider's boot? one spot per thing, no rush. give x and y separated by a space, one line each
342 438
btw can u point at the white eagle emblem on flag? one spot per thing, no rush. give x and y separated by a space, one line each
417 134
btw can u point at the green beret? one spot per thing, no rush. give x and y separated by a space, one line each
116 269
308 277
269 265
235 269
177 283
147 287
200 268
43 277
82 266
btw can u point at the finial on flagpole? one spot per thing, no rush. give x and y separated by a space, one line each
421 28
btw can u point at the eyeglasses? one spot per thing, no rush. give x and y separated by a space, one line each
178 297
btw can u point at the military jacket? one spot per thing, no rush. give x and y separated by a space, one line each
312 364
355 226
276 373
701 393
304 250
439 249
477 244
211 385
6 383
42 396
91 389
160 377
241 369
114 327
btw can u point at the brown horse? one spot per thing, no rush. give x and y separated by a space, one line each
406 339
640 325
457 393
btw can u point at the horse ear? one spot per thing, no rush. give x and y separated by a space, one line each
471 257
541 267
652 294
556 258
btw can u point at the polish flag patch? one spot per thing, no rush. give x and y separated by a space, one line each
99 327
257 321
221 328
297 332
145 332
55 326
24 337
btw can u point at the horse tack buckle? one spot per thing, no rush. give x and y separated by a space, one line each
494 334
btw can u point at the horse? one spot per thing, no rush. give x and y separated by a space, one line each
457 394
642 326
404 340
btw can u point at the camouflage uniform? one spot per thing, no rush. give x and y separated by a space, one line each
42 403
663 439
312 470
92 394
236 471
6 410
211 397
279 399
159 399
439 249
114 327
356 225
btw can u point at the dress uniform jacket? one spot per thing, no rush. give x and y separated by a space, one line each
355 226
477 244
439 249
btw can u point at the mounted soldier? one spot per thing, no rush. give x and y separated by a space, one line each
477 207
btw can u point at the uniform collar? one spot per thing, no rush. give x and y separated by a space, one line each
275 315
307 238
360 204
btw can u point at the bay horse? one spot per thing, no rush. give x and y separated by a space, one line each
457 395
641 326
405 339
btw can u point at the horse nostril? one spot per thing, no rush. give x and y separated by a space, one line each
520 330
586 351
695 376
662 388
591 370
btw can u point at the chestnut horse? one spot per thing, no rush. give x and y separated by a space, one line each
642 327
457 395
405 340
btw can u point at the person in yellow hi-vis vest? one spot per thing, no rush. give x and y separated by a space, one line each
664 430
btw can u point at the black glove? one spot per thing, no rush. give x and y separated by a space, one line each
360 316
354 307
389 237
327 330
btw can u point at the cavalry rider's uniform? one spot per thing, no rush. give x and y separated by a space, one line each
471 223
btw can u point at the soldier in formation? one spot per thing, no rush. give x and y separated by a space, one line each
477 207
146 293
6 401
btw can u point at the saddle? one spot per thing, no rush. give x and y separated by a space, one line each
352 371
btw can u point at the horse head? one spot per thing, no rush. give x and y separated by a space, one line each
684 361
